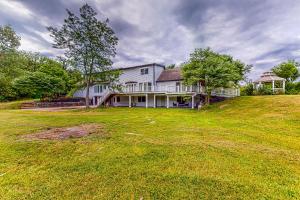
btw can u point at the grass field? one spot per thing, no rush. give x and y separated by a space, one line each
246 148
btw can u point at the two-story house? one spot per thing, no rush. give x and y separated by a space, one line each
150 85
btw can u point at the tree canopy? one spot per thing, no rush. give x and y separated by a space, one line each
214 69
90 45
9 40
288 70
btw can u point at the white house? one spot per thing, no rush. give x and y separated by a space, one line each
151 85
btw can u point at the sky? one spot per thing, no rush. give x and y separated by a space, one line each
262 33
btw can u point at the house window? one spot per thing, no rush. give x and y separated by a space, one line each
117 99
144 71
98 89
140 86
141 99
149 84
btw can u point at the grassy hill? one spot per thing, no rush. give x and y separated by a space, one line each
245 148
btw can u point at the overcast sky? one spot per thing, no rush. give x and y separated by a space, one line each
258 32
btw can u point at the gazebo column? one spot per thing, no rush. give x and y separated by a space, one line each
273 86
283 85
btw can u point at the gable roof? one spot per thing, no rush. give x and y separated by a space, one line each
138 66
170 75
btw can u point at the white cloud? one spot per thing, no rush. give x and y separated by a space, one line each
15 9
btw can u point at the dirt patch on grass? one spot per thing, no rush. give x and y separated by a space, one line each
66 132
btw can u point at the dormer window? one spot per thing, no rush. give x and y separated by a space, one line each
144 71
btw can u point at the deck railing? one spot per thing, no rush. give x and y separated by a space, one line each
224 92
164 89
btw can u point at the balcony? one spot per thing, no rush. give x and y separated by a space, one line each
221 92
160 89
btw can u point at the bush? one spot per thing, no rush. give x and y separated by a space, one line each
39 85
292 88
6 91
247 90
264 90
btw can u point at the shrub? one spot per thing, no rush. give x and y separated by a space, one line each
247 90
292 88
264 90
39 85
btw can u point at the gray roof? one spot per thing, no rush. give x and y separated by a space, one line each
138 66
170 75
268 77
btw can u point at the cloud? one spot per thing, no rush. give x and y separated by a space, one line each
262 33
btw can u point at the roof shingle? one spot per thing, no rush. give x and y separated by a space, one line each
170 75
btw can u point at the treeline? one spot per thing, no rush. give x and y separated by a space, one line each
31 75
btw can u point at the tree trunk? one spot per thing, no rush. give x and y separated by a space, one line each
207 100
87 95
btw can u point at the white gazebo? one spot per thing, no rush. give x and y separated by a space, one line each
270 77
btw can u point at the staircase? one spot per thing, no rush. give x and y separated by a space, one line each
105 97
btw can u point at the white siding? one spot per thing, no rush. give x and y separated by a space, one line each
81 93
158 70
134 74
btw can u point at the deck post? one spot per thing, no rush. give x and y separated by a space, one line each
154 101
129 101
168 101
193 101
146 100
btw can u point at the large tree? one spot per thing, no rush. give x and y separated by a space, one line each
214 69
9 40
90 45
287 70
49 81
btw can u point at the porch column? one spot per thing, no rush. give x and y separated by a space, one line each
193 101
98 101
154 101
129 101
168 101
273 86
146 100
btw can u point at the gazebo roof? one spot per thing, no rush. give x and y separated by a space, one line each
268 77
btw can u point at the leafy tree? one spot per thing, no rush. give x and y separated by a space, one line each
48 82
287 70
6 90
90 45
8 39
214 69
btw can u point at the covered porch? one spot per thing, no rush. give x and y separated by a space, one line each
154 100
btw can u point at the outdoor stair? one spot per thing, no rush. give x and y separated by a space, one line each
105 97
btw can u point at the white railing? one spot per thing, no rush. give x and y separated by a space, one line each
224 92
164 89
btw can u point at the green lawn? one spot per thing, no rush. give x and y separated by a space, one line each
246 148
